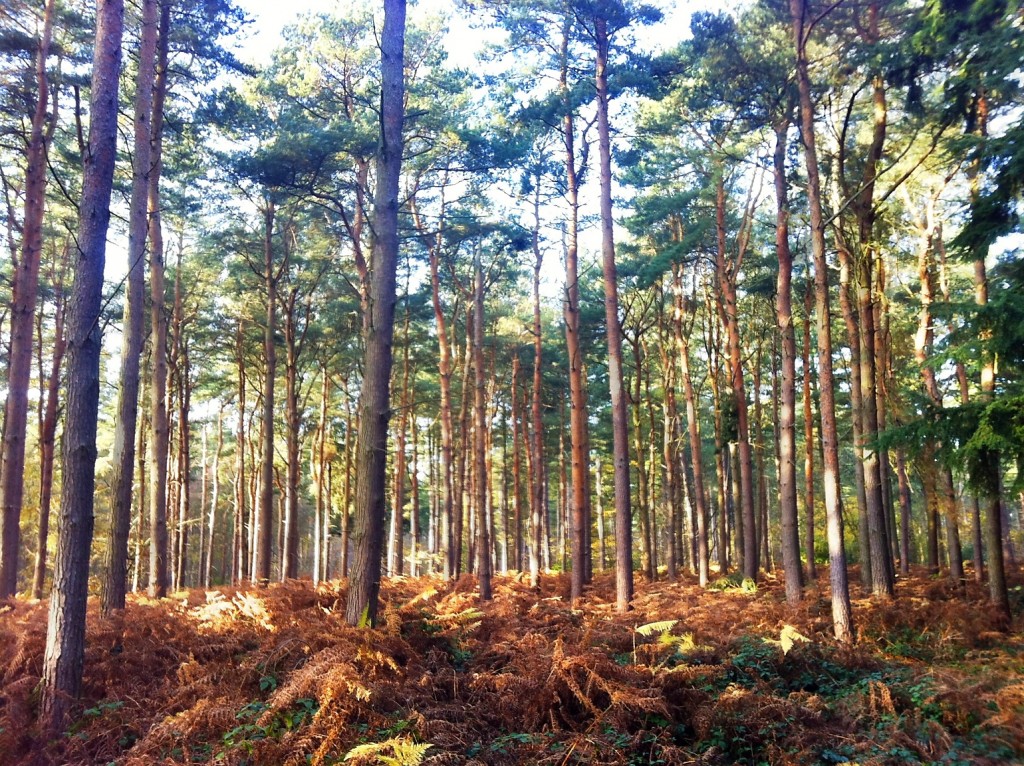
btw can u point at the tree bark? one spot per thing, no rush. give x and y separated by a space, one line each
620 425
905 509
25 289
693 431
241 538
134 320
842 617
48 431
808 411
183 394
378 329
730 320
159 435
444 363
942 480
65 637
787 389
395 555
640 447
483 532
294 340
265 511
214 500
414 508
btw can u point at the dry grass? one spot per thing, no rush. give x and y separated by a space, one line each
275 676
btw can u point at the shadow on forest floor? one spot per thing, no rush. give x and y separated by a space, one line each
275 676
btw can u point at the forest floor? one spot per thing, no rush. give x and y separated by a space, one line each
275 676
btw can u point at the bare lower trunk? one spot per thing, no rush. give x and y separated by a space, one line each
905 509
265 510
159 436
620 426
25 289
483 532
808 410
134 321
241 539
214 500
745 516
65 636
841 613
47 436
364 583
787 393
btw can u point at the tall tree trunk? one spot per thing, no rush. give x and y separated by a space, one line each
965 396
517 469
842 617
142 442
693 431
942 480
578 436
159 435
241 539
670 419
214 500
318 467
881 560
184 396
378 330
640 447
134 318
537 443
346 524
721 448
48 431
483 532
601 534
265 511
294 338
65 635
850 317
444 363
204 497
395 555
787 393
990 459
808 411
730 320
463 497
620 425
905 508
25 289
414 508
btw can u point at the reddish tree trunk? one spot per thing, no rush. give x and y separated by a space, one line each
841 612
25 289
379 324
620 424
65 637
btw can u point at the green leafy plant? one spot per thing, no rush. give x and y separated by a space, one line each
400 751
683 644
788 638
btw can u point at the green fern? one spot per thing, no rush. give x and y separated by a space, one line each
683 644
788 638
400 751
470 617
653 628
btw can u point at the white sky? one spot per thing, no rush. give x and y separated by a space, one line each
271 16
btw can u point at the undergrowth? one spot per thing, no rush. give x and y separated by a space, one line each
275 676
